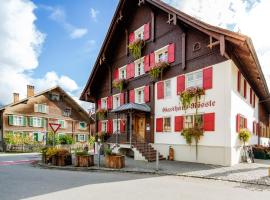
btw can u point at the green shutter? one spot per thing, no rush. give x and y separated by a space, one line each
24 121
10 119
42 122
31 121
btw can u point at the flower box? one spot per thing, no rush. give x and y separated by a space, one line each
115 161
84 160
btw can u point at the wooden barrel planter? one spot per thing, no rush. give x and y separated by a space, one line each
84 160
115 161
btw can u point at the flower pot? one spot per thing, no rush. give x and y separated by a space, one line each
84 160
115 161
53 160
61 161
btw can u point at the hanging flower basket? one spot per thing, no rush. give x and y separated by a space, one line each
192 93
157 71
119 83
136 48
101 114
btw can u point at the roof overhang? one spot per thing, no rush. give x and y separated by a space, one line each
129 107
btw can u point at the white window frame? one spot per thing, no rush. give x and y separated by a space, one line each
37 122
104 126
163 125
196 82
122 69
193 121
139 33
136 91
115 125
116 104
162 50
59 122
44 108
79 137
137 62
104 103
65 113
18 120
165 88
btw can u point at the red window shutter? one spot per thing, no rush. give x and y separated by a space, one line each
250 96
131 96
239 81
238 118
130 70
160 90
146 94
152 60
110 126
207 78
254 100
116 74
178 123
109 102
254 127
171 53
209 122
245 122
159 125
99 126
99 103
122 126
146 63
245 89
180 84
146 31
131 37
122 98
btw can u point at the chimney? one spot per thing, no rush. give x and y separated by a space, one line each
16 97
30 91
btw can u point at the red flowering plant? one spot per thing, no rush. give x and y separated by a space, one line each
158 69
101 113
190 94
136 48
119 83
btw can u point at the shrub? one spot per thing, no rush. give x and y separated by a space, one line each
65 139
108 152
244 135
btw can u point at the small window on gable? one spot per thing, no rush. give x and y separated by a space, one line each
139 67
67 112
161 55
139 33
194 79
54 96
116 101
82 125
122 73
41 108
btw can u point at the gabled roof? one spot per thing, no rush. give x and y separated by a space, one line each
242 47
74 103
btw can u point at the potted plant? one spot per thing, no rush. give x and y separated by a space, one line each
136 48
51 155
157 70
101 113
62 157
190 94
83 159
244 136
119 83
112 160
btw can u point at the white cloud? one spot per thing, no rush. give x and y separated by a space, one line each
94 13
247 16
59 15
21 44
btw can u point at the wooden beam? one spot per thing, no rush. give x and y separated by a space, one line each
126 34
222 45
152 26
120 17
183 51
172 19
211 43
141 2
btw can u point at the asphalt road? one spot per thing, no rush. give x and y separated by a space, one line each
19 180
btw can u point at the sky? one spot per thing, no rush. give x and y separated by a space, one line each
55 42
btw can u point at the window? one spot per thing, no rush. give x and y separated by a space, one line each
122 73
116 101
38 137
139 33
139 67
41 108
242 122
54 96
191 120
67 112
194 79
62 123
115 124
104 126
167 88
36 122
104 103
82 125
81 138
139 95
161 55
166 124
17 120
